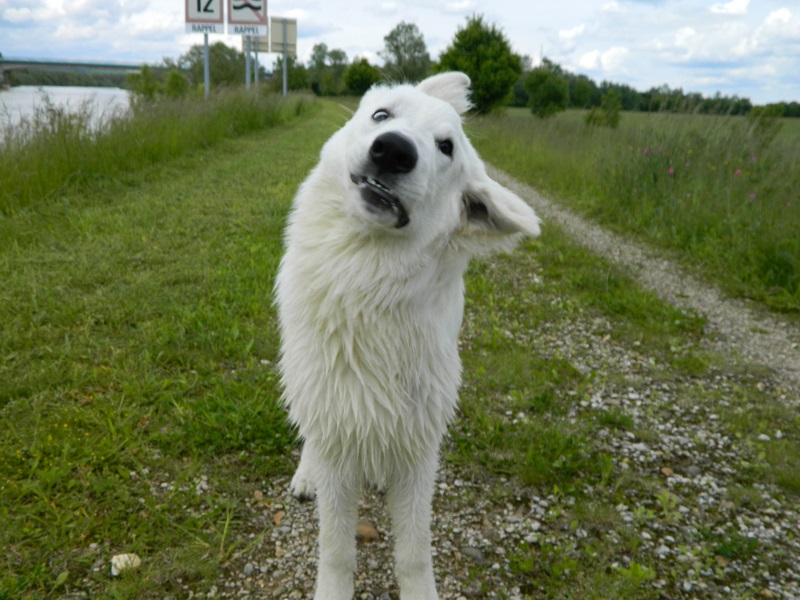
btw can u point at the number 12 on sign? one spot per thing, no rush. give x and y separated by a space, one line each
204 16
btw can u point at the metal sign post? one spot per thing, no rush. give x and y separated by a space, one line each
247 62
204 16
285 61
283 39
206 68
247 18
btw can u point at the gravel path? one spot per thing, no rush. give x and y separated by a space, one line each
481 521
757 338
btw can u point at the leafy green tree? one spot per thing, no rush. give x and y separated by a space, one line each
334 81
326 70
226 64
406 56
317 66
482 51
296 75
608 115
582 91
548 92
360 76
144 84
176 84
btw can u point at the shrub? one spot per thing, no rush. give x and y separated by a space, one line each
608 115
483 52
548 91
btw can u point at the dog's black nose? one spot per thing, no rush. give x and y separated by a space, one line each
393 153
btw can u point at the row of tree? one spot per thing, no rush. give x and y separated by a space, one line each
480 49
501 77
548 88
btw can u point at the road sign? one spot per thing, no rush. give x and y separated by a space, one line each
276 35
247 17
204 16
257 44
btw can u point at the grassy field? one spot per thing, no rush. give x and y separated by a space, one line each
137 349
720 192
58 150
137 334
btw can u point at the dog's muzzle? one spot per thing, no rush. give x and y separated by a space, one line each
391 154
378 196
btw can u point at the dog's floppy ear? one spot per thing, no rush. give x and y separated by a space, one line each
492 211
452 87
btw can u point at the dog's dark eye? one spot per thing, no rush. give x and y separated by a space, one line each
445 147
380 115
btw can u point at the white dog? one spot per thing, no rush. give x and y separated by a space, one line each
371 297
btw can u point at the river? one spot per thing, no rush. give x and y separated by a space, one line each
20 102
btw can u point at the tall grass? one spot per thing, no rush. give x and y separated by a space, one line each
721 190
137 340
60 149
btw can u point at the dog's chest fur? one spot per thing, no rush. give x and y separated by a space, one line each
375 330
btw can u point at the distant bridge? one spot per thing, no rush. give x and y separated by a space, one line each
79 66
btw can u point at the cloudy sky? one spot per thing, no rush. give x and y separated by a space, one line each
749 48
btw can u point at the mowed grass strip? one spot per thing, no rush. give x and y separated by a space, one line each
136 361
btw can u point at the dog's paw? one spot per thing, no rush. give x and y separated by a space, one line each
302 488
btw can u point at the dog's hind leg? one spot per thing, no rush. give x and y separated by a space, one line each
338 490
302 486
409 500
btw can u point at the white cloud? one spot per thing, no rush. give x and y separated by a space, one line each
756 72
609 61
590 61
460 7
613 7
569 35
34 16
613 58
734 7
387 8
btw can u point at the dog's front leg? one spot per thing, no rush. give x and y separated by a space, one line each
409 500
303 486
337 503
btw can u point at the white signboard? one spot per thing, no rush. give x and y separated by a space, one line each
276 35
247 17
204 16
258 44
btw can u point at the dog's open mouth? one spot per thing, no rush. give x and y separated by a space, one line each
379 196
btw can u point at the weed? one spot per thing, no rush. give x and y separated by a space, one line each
721 191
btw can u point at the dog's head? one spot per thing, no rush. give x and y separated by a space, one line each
411 171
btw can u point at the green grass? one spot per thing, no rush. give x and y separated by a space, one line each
58 150
137 349
136 358
720 191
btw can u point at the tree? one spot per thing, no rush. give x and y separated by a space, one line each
608 113
406 55
547 89
483 52
176 84
326 70
334 81
226 64
144 84
360 76
317 66
296 74
582 91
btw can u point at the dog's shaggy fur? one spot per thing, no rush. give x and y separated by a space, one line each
371 298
